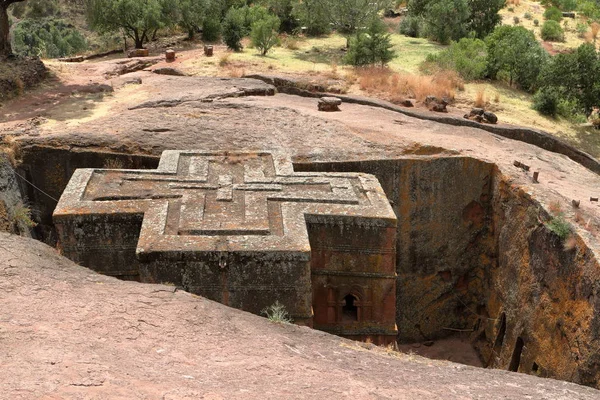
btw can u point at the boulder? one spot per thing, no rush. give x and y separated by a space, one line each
490 117
476 111
168 71
138 53
406 103
329 104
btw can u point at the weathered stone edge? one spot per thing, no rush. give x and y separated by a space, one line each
527 135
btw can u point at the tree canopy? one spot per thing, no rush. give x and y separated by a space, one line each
5 47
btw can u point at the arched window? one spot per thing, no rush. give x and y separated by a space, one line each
350 309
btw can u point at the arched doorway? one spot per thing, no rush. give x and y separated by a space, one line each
350 308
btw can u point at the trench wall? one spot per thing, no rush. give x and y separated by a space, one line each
444 239
471 252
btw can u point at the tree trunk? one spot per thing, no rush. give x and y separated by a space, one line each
5 48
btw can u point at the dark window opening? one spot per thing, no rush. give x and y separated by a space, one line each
535 368
501 333
515 361
350 311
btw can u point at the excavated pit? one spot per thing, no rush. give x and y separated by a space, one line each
473 258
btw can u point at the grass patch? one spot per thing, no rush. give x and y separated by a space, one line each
277 313
559 226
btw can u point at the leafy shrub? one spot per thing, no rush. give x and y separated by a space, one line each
552 31
277 313
211 30
234 29
412 26
447 20
545 101
314 15
514 54
48 38
553 14
371 47
264 34
516 20
468 57
559 226
38 9
536 22
528 16
567 5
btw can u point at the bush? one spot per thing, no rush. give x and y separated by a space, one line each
581 30
211 30
553 14
468 57
48 38
314 15
516 20
536 22
264 34
552 31
412 26
234 29
514 54
545 101
447 20
528 16
371 47
39 9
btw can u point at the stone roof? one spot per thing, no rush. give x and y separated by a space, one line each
223 201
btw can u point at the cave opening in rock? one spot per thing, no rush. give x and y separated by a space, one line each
515 360
501 334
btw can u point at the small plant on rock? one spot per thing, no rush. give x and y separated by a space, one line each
277 313
22 216
559 226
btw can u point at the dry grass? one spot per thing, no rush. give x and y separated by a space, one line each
555 207
480 98
224 59
592 35
233 71
398 86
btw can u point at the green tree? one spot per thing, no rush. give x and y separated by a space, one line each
447 19
373 46
314 15
5 47
350 16
283 9
139 19
484 16
238 24
47 38
234 28
514 53
264 34
190 15
575 77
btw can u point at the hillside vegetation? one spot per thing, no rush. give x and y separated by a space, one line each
522 59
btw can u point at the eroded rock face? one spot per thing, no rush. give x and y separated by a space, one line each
547 289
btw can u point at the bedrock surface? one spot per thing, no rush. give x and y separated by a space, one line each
69 332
